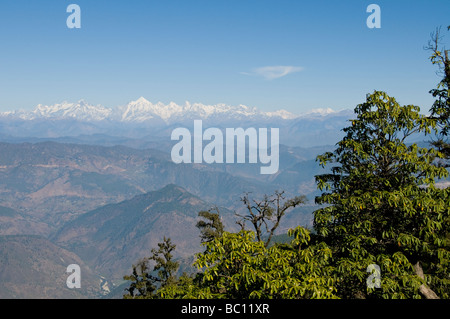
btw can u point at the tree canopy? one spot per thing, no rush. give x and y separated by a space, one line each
382 206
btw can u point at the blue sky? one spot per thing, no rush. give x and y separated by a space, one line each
214 51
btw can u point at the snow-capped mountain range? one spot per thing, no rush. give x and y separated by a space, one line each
143 110
142 119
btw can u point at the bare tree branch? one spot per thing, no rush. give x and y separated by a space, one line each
424 290
265 215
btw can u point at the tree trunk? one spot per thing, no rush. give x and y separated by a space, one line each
423 289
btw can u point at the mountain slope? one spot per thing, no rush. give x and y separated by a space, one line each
15 223
54 183
113 237
33 267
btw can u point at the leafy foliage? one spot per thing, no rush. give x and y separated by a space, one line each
382 206
143 282
441 106
237 266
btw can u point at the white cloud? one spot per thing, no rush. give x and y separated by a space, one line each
274 72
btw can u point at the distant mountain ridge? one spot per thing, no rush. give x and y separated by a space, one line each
143 119
143 110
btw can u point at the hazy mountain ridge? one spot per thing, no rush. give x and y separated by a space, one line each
141 118
53 181
56 182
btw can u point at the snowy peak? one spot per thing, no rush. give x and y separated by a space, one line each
133 109
80 110
142 110
142 100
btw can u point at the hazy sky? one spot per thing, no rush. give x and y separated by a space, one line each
295 55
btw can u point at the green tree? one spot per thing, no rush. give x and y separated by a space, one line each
212 227
242 265
236 266
265 215
143 283
381 206
440 109
165 265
